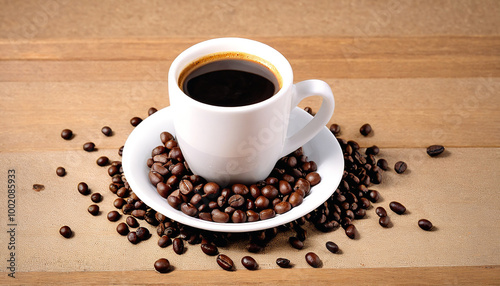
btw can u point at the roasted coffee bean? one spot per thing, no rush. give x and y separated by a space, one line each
284 187
189 209
163 189
106 130
186 187
380 211
152 111
373 150
138 214
142 233
205 216
102 161
135 121
120 151
308 110
267 214
282 207
132 237
225 262
60 171
335 129
67 134
166 136
397 207
332 247
119 203
209 249
295 199
435 150
249 263
373 196
269 192
400 167
252 216
122 192
113 170
114 216
365 129
384 221
127 208
83 188
313 178
283 262
295 242
66 231
261 202
313 259
425 224
219 216
350 231
162 265
89 146
238 216
254 247
178 245
164 241
382 163
93 210
240 189
302 185
122 228
96 197
155 178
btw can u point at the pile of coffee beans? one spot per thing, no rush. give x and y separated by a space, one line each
291 180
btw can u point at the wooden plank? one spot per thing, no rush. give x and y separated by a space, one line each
473 275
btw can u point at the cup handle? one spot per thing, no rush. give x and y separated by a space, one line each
305 89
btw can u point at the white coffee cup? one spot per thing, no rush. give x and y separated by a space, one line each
241 144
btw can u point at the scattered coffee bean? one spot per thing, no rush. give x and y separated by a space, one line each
138 214
67 134
365 129
397 207
60 171
106 130
283 262
313 259
114 216
102 161
122 228
335 129
93 210
142 233
425 224
308 110
400 167
96 197
119 203
135 121
164 241
83 188
162 265
435 150
332 247
132 237
178 246
381 212
295 242
89 146
350 231
225 262
373 150
249 263
38 187
66 231
120 151
384 221
151 111
132 222
209 249
382 163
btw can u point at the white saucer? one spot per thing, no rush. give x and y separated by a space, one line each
324 149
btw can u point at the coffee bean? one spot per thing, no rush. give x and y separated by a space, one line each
365 129
400 167
113 170
106 130
332 247
219 216
151 111
67 134
295 199
225 262
261 202
295 242
269 192
93 210
132 237
239 216
166 136
380 211
83 188
89 146
96 197
120 151
350 231
155 178
178 245
283 262
186 187
397 207
435 150
308 110
240 189
384 221
313 259
119 203
142 233
60 171
102 161
135 121
66 231
249 263
132 222
164 241
267 214
189 209
335 129
138 214
373 150
162 265
252 216
236 201
382 163
122 228
282 207
425 224
114 216
209 249
373 196
127 208
313 178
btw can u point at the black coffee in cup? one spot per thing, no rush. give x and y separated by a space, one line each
230 80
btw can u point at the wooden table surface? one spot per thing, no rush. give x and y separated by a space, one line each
420 72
